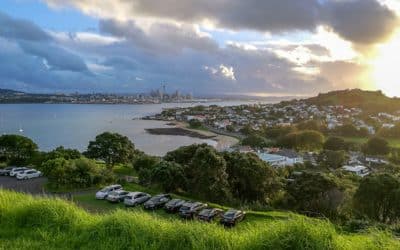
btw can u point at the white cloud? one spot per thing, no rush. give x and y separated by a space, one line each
227 72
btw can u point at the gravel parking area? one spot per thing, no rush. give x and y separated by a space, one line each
32 186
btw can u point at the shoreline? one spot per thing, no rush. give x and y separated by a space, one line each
178 131
181 129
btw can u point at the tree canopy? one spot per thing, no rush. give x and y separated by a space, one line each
17 149
376 146
113 148
315 193
378 198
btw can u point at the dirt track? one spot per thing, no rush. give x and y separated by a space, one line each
32 186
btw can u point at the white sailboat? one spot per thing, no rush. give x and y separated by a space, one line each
20 129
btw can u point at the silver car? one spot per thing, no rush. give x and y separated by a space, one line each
136 198
117 196
103 193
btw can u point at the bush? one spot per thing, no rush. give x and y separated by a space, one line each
76 173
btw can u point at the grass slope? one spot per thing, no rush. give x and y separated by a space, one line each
369 101
42 223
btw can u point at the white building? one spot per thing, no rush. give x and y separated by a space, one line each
358 170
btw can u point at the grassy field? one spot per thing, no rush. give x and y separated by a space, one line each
89 203
42 223
395 143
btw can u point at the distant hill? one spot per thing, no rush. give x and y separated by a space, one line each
369 101
9 92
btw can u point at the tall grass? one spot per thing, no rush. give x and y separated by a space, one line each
43 223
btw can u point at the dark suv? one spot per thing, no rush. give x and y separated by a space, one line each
231 217
190 209
209 214
157 201
174 205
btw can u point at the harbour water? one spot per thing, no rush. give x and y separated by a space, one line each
74 125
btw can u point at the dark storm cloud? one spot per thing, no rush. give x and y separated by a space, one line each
359 21
161 37
38 43
21 29
57 58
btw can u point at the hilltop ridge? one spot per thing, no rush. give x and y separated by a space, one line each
369 101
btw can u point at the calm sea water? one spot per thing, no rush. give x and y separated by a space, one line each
74 125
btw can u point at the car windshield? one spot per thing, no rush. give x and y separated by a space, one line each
205 212
113 193
174 202
185 208
230 214
106 189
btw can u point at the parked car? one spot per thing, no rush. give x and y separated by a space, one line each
231 217
15 171
208 214
173 205
136 198
190 209
117 196
157 201
28 174
6 171
103 193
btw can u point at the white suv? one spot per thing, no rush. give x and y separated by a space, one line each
28 174
15 171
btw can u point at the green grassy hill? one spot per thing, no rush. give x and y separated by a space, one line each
42 223
369 101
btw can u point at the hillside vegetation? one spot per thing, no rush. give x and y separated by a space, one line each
369 101
42 223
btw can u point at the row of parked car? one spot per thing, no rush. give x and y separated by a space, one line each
186 209
21 173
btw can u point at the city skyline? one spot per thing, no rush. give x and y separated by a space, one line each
261 48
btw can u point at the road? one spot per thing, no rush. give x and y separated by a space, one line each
32 186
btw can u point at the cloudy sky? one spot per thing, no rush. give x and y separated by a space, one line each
252 47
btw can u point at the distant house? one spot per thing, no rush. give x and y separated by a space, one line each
245 149
273 159
281 158
358 170
292 157
375 160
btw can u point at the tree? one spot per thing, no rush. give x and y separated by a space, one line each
309 140
255 141
378 197
113 148
169 176
206 175
194 123
250 179
184 155
311 125
332 159
17 149
315 193
335 143
278 132
61 152
247 130
376 146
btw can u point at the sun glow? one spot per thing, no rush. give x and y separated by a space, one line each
386 67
